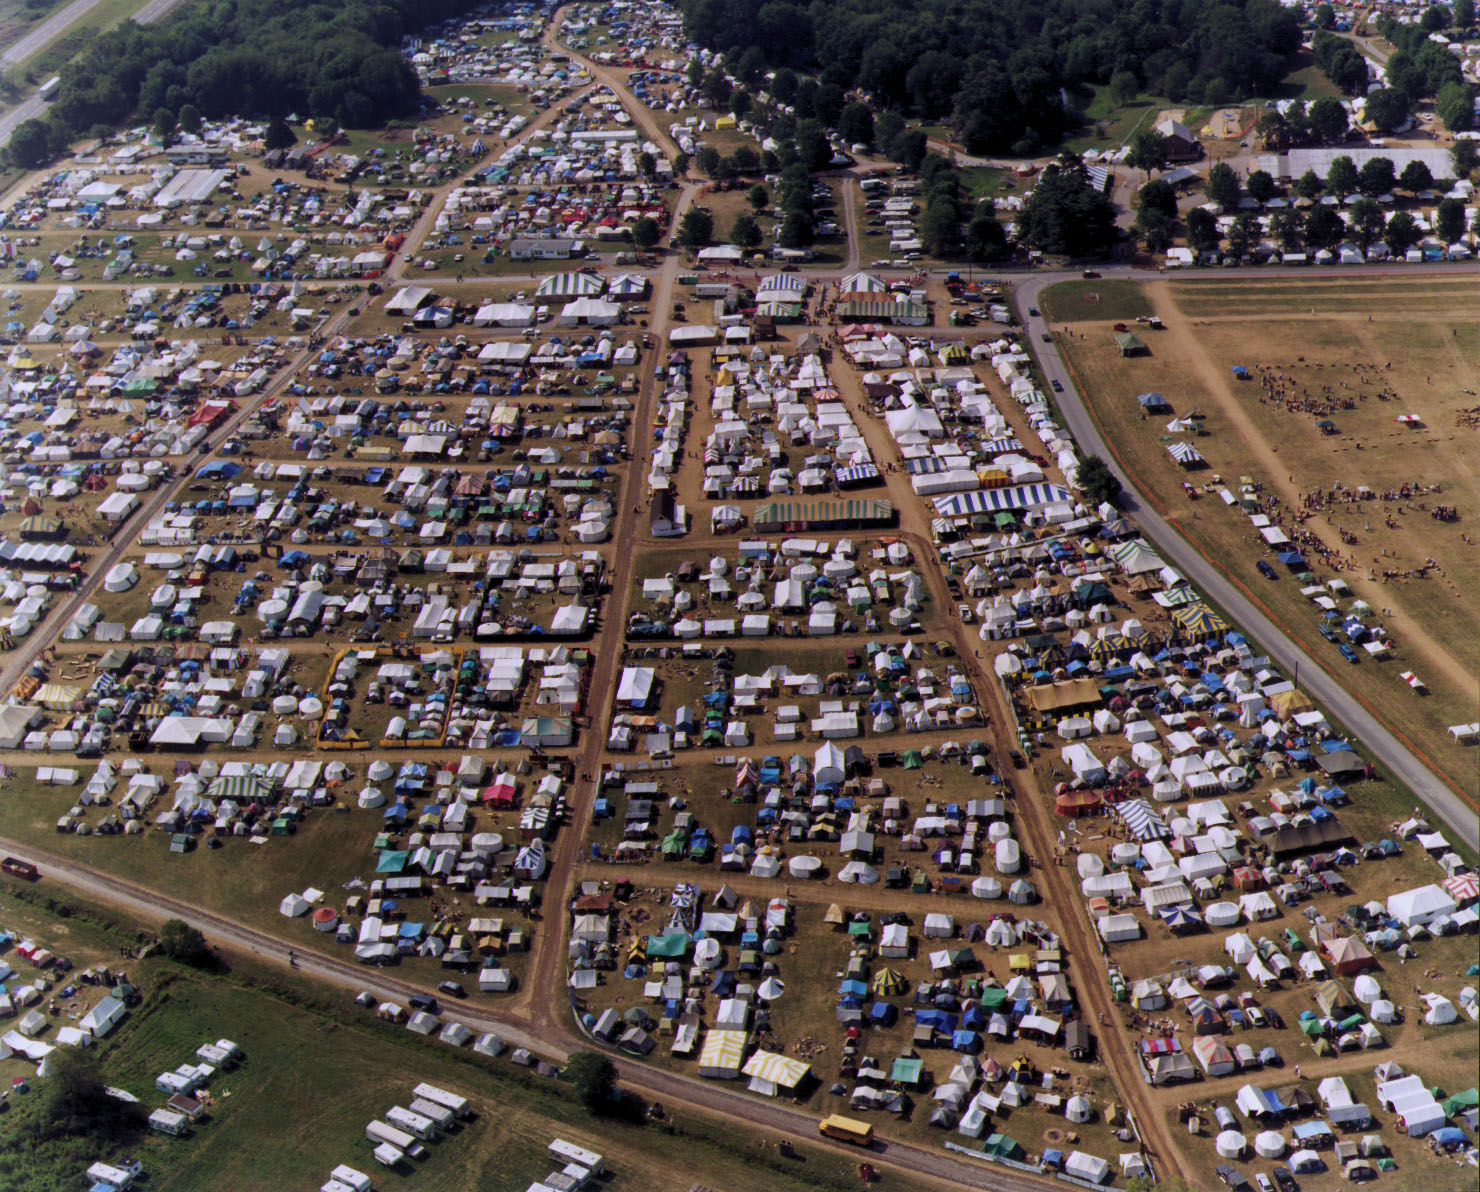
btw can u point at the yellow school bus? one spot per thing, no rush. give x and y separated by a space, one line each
847 1129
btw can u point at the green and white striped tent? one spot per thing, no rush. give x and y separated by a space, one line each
241 787
570 285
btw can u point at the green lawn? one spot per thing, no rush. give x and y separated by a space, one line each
1075 301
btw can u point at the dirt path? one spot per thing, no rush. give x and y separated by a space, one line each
1212 380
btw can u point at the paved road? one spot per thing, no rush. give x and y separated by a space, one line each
47 32
1456 814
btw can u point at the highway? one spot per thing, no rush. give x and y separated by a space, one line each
1455 813
47 32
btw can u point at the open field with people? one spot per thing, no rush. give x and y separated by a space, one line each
1351 432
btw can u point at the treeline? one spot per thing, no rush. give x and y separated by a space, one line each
1003 75
249 58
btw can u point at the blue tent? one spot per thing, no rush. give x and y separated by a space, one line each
883 1014
852 988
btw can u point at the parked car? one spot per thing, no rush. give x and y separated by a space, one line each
1266 570
1347 652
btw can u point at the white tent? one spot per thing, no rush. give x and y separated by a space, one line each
1229 1144
295 904
1269 1144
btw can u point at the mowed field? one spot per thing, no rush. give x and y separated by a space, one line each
1355 352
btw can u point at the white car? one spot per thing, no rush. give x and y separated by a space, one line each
963 611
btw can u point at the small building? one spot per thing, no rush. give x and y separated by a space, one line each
167 1121
1181 145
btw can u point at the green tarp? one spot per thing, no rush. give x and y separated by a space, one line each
906 1070
668 947
1002 1146
392 861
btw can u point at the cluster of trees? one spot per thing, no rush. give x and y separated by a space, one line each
1067 214
1000 77
1322 122
1377 177
1419 69
243 58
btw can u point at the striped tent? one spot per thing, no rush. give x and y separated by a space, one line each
1198 623
824 514
1185 454
722 1055
862 283
995 500
779 1070
570 285
1463 887
241 787
57 695
1141 819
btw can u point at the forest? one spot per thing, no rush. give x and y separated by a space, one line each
252 58
1008 76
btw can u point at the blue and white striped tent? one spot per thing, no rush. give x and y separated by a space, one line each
776 284
1001 500
1143 821
857 474
995 447
1185 454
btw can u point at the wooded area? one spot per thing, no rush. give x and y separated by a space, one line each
997 72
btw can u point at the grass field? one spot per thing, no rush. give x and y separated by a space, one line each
1096 300
270 1126
1422 346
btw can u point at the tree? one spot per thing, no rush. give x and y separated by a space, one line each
813 146
1328 119
784 86
1308 185
1155 228
740 103
909 148
887 125
1098 483
680 165
1124 86
1324 17
1288 230
986 239
696 228
1241 236
1376 177
1323 227
647 164
757 196
940 229
1403 233
1202 230
716 88
707 159
1222 186
1274 132
278 135
1455 106
593 1079
1464 155
164 126
30 144
182 942
1435 18
1366 220
1261 186
796 230
190 120
1464 13
856 124
745 232
1341 178
1148 151
1387 107
1416 178
646 233
75 1103
1159 198
1449 220
745 160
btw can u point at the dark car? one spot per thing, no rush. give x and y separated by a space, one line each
1016 759
1234 1179
1347 652
1266 570
1057 387
451 989
1033 310
1284 1181
423 1001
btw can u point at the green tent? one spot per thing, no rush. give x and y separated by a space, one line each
1456 1104
392 861
992 998
906 1071
668 947
912 759
1002 1146
860 928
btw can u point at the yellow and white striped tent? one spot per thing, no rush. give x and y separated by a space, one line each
774 1072
58 696
722 1054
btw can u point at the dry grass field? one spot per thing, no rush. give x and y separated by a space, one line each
1357 355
